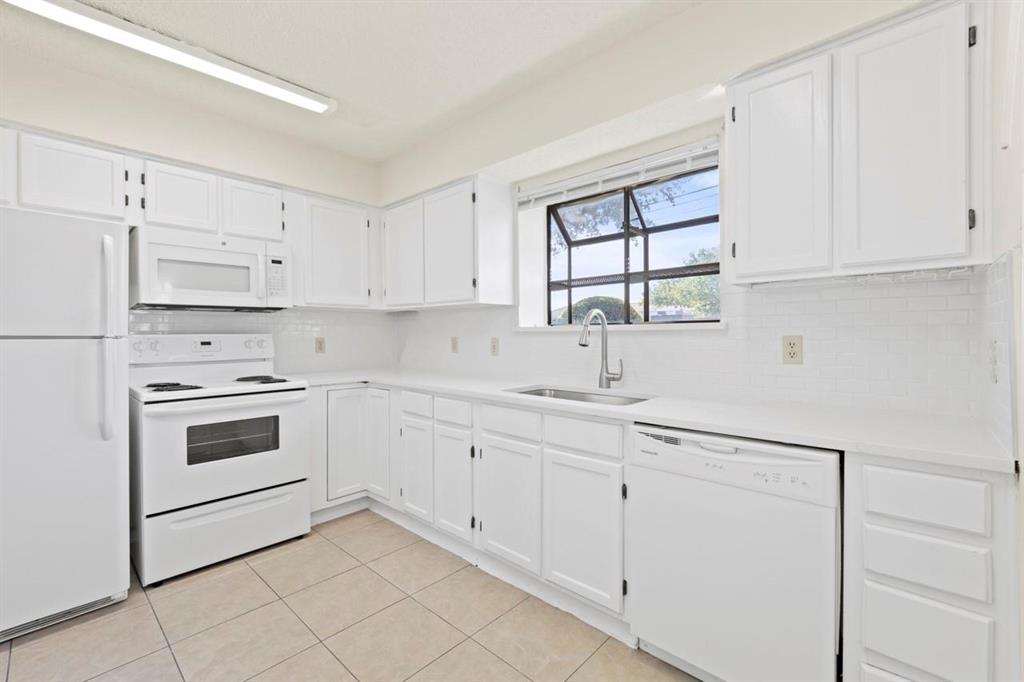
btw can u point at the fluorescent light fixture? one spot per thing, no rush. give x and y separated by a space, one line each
114 29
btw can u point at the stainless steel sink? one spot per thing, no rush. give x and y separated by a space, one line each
580 396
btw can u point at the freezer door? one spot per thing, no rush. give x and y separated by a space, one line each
62 276
63 475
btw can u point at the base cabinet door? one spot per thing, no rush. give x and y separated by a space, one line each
377 462
418 467
346 425
507 499
453 480
582 526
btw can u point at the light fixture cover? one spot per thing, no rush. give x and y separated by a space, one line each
117 30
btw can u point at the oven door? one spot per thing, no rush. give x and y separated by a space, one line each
196 451
177 268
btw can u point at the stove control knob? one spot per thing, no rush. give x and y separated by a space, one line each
138 346
248 343
261 343
154 346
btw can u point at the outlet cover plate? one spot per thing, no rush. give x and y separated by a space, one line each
320 344
494 345
792 350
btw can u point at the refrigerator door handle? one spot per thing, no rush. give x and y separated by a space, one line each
107 422
109 293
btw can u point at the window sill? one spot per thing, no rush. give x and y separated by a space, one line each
685 328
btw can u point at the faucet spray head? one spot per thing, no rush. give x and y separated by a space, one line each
585 336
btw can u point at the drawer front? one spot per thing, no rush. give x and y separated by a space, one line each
511 422
869 673
453 411
948 566
944 640
417 403
586 436
943 501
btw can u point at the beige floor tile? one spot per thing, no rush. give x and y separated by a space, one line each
338 602
615 661
209 602
188 580
316 664
335 527
80 650
375 540
242 647
5 657
414 567
309 561
541 641
393 644
470 599
469 662
157 667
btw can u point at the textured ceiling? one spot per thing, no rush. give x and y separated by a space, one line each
400 70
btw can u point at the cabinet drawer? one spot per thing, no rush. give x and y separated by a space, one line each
869 673
453 411
933 562
941 639
417 403
517 423
586 436
957 503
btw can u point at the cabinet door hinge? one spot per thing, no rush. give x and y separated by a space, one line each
367 223
734 249
474 282
282 225
1016 468
400 492
472 522
972 36
474 197
625 587
481 524
143 202
481 455
624 491
143 178
367 292
971 219
472 451
282 205
399 433
126 175
734 114
125 199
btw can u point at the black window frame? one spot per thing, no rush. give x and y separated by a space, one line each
628 276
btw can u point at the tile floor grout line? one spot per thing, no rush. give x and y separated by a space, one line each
302 589
438 658
160 625
592 654
495 653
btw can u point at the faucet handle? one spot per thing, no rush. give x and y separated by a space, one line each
616 376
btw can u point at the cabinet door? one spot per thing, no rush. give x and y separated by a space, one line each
377 439
507 495
8 166
418 467
583 526
779 198
453 480
403 254
180 197
252 210
72 178
337 254
903 150
346 444
449 247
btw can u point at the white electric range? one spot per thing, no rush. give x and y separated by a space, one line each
219 451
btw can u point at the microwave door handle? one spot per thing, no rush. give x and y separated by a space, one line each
109 293
107 420
170 410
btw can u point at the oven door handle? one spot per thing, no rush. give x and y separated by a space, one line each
221 404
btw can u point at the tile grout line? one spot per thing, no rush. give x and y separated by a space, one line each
495 653
160 625
298 653
592 654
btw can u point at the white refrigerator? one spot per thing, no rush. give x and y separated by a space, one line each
63 417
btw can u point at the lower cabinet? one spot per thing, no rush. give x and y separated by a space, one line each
583 526
507 500
453 480
357 442
418 467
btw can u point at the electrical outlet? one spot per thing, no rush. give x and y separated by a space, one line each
320 344
455 344
494 345
792 350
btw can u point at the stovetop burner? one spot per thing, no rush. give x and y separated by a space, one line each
262 379
162 388
163 384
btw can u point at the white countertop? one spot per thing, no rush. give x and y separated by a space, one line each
954 441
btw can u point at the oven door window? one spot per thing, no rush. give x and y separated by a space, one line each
224 440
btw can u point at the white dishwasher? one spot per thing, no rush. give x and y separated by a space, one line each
732 555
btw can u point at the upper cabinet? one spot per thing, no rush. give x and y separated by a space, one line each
902 154
857 159
174 196
8 166
779 169
403 254
71 178
252 210
451 246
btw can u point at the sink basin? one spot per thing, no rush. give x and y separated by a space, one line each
580 396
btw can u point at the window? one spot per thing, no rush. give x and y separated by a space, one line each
651 249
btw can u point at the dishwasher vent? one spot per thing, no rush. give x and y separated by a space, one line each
671 440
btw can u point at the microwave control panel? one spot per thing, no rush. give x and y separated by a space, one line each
277 276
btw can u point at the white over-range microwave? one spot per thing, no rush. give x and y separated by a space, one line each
178 269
